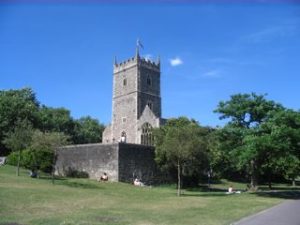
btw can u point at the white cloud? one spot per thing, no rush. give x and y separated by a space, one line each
270 33
212 74
176 61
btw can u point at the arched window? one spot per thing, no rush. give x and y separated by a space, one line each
146 136
149 80
150 105
123 137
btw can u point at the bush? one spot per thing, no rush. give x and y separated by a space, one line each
12 159
33 160
76 174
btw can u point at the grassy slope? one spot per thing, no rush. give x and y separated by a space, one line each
24 200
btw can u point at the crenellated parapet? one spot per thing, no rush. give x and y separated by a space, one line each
147 63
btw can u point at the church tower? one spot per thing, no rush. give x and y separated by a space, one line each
136 103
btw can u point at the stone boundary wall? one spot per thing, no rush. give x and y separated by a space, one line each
136 161
121 161
94 159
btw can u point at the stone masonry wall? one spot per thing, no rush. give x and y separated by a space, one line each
95 159
136 161
121 161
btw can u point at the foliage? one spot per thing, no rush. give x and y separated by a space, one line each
261 137
76 174
12 159
21 105
56 120
181 144
16 106
19 139
33 160
88 130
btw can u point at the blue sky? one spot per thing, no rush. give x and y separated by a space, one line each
208 52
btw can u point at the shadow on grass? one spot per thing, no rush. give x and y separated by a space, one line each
71 183
10 223
75 184
50 178
205 188
205 194
280 188
279 194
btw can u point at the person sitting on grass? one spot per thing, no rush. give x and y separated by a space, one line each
33 173
137 182
104 177
231 191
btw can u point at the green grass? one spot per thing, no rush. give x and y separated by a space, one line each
25 201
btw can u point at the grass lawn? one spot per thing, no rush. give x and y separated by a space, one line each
25 201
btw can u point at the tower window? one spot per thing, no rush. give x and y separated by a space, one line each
146 136
150 105
123 119
123 137
149 81
125 82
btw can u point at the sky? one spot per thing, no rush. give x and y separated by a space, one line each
209 51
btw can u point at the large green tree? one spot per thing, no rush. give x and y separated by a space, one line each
16 106
246 114
181 144
282 136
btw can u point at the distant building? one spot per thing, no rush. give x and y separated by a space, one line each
136 103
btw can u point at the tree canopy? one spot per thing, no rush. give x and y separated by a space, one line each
22 105
259 136
181 144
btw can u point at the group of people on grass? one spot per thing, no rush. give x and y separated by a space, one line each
136 181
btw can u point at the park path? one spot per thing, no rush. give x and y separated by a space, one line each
286 213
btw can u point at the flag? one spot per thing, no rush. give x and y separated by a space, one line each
139 44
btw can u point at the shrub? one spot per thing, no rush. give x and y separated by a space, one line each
30 159
76 174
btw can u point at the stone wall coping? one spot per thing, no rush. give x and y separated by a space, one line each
103 144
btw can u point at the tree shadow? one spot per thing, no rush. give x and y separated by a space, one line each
10 223
279 194
280 188
75 184
50 178
205 188
205 194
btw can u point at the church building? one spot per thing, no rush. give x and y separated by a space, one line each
136 103
126 151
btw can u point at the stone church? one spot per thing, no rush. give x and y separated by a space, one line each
136 103
127 150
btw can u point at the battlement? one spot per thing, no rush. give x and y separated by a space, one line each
133 61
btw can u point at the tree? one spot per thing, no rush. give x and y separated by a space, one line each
48 142
179 144
19 139
88 130
56 120
15 107
283 132
246 113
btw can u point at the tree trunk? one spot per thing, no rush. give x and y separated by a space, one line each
270 181
253 185
53 167
18 164
179 180
293 182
